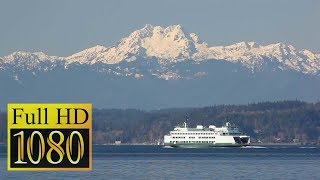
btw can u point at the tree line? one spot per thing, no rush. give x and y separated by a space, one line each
267 122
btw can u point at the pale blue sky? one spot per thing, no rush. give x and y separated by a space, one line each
63 27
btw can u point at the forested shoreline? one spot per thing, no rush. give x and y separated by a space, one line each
266 122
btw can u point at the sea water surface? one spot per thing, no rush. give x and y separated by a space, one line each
159 162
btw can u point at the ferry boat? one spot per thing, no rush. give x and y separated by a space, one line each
226 136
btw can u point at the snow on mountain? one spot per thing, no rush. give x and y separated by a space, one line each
28 60
171 44
87 56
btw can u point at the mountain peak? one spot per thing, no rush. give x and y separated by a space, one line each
28 56
169 44
87 56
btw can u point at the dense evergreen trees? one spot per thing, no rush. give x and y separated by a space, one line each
284 121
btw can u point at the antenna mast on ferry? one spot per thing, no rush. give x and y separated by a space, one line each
186 122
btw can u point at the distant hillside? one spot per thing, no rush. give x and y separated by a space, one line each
284 121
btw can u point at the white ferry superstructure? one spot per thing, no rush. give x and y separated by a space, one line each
212 136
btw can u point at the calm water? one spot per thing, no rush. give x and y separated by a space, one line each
156 162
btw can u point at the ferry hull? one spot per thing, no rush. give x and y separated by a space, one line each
203 145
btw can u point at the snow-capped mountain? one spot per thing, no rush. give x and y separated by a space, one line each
156 67
171 45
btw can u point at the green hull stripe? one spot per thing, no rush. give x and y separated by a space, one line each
204 145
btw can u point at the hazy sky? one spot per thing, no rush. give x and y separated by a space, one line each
63 27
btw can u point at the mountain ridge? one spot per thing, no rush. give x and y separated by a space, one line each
170 45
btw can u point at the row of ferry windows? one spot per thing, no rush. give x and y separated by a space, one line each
192 141
193 133
193 137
